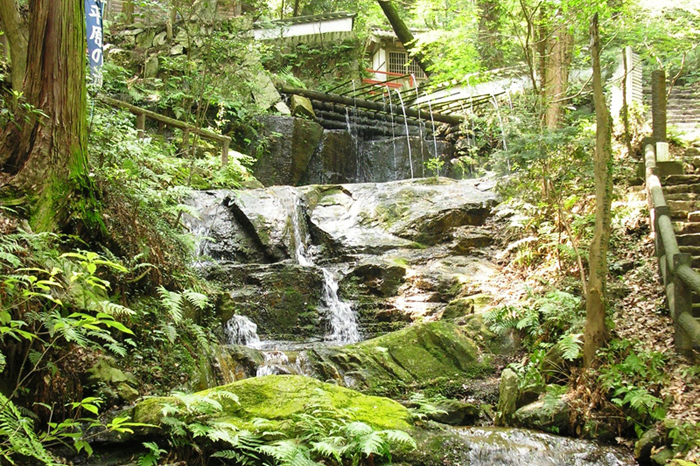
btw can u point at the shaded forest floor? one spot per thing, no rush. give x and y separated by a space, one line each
638 310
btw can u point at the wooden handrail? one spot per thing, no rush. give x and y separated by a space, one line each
680 280
142 114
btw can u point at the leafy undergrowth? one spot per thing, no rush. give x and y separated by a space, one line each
640 380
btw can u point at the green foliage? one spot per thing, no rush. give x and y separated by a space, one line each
423 407
545 319
633 380
434 164
17 436
318 436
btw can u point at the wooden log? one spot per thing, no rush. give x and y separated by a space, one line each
365 130
371 115
351 102
140 125
142 114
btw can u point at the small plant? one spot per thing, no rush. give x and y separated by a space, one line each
434 164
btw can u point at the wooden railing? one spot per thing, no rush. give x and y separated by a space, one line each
142 114
679 279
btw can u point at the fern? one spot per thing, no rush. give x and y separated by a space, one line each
289 453
570 346
18 430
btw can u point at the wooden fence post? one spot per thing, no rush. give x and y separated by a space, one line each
224 152
682 303
658 240
140 125
658 105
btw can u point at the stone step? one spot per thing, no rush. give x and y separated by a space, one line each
683 206
683 228
672 180
688 239
683 196
693 251
681 189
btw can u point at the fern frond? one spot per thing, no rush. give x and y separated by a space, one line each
399 437
570 345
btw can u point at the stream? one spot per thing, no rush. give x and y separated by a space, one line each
339 282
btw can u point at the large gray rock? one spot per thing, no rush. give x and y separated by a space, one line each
546 414
289 145
412 213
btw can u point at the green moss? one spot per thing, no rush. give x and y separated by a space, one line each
280 397
416 356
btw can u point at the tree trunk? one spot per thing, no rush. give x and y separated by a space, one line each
595 332
47 155
16 34
404 35
555 45
489 33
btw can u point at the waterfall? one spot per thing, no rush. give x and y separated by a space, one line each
408 138
393 134
500 120
342 318
240 330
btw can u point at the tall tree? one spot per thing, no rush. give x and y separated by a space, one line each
596 301
547 44
44 154
404 34
16 33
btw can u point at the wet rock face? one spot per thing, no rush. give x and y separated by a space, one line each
295 151
289 144
282 299
394 248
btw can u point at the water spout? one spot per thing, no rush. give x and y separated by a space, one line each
408 138
432 122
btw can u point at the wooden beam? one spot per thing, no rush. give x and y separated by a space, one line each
351 102
142 114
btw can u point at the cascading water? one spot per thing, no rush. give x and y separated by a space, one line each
432 122
500 121
393 132
343 321
240 330
420 129
408 138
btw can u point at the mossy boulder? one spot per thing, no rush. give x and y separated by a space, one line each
467 305
417 356
281 397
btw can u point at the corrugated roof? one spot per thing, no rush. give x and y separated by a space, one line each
307 19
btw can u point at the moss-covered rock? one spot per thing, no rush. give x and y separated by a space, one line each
461 307
282 299
280 397
419 355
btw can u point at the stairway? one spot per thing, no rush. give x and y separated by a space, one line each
682 194
683 110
